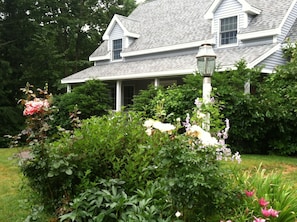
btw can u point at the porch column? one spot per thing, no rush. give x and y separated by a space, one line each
68 88
157 82
247 87
118 95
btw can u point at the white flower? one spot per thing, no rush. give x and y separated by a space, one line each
149 131
178 214
163 127
236 157
208 140
204 136
195 131
149 123
201 115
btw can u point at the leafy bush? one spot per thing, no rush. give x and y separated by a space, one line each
107 201
106 147
174 101
279 97
194 175
91 99
263 121
244 110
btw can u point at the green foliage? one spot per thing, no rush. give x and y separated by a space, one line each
45 41
91 99
170 103
262 121
142 102
194 175
107 201
279 97
244 110
12 120
106 147
269 186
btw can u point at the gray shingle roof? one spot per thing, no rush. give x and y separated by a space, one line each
176 64
130 24
170 22
101 50
271 16
162 23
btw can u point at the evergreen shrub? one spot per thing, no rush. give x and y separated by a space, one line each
91 99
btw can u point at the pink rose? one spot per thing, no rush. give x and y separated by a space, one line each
35 106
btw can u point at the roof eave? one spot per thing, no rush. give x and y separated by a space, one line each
264 33
99 58
264 56
168 48
245 7
112 23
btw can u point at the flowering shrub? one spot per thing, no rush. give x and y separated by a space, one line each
36 106
192 170
38 110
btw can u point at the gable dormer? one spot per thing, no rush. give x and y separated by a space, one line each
228 17
120 34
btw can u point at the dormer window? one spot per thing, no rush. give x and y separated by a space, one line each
117 49
228 31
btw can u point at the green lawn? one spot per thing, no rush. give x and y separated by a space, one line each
10 195
286 165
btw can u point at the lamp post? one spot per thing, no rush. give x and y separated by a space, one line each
206 62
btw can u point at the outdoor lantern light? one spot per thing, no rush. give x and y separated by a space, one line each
206 60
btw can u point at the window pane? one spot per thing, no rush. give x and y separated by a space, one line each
117 48
229 30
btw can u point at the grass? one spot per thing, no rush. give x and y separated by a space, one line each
10 195
285 165
11 179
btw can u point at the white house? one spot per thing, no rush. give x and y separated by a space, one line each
158 42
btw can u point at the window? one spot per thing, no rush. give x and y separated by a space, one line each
229 30
116 49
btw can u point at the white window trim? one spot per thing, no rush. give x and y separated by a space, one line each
219 32
112 50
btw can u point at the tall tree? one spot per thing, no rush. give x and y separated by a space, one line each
44 41
69 31
15 34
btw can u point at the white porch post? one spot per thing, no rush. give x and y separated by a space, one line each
68 88
206 89
118 95
247 87
156 82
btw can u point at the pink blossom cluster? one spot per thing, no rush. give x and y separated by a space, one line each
265 212
35 106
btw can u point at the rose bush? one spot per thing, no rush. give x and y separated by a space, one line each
36 106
